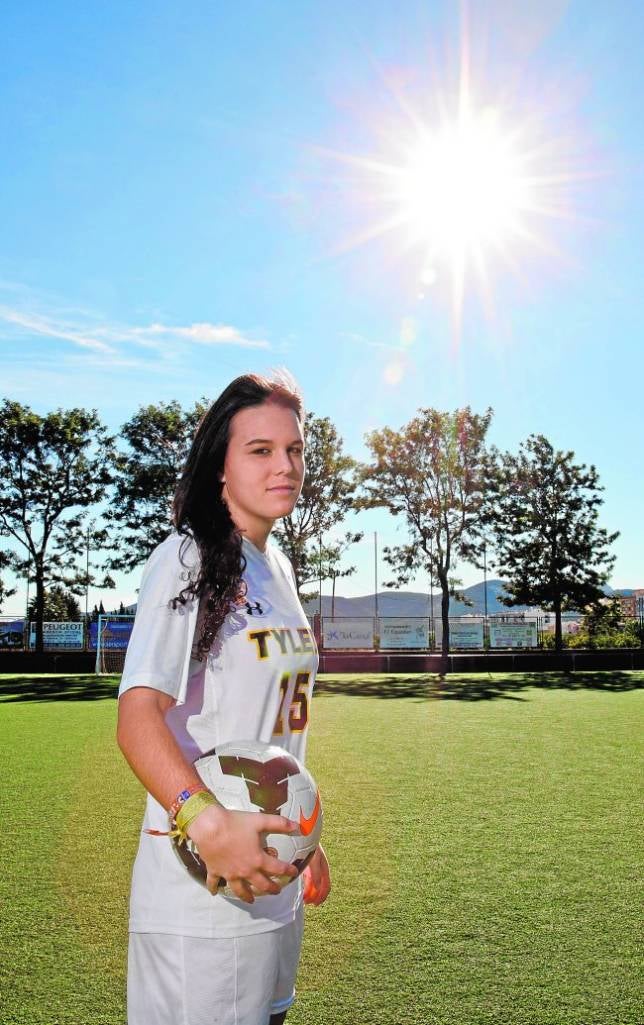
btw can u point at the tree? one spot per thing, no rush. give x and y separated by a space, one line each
55 467
327 496
605 626
324 562
543 511
59 605
97 611
431 472
5 592
158 439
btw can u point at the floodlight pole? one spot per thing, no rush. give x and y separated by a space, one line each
431 592
86 574
320 582
27 604
375 568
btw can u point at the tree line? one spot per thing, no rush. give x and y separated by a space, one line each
534 511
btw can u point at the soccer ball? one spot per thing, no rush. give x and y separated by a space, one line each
249 775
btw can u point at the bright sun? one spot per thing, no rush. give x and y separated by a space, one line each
469 190
462 188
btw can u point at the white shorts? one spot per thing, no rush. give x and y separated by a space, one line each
192 980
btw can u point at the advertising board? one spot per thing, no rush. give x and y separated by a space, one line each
12 633
115 634
465 635
403 633
513 635
58 635
347 633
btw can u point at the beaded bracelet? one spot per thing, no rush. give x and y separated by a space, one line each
196 788
188 811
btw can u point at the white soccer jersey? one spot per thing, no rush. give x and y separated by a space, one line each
255 684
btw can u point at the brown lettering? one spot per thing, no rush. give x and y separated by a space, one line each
279 636
260 636
305 637
296 650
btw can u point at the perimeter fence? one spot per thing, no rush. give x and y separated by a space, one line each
110 631
425 633
333 633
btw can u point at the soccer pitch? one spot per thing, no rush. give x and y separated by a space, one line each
483 835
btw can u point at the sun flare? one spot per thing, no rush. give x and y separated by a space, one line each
466 186
462 187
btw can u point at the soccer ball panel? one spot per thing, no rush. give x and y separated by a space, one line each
252 776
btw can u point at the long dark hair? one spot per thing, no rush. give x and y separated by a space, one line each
198 510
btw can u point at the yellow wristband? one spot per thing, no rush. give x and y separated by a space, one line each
192 807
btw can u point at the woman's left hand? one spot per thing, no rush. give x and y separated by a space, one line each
317 878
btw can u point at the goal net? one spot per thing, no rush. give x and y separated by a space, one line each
112 637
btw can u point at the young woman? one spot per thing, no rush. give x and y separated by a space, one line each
220 651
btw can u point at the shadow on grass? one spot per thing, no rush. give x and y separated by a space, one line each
422 687
475 687
87 687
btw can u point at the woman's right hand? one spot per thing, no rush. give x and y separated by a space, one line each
230 845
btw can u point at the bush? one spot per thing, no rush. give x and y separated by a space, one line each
627 635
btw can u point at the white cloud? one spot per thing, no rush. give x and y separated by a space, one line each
36 324
203 334
87 331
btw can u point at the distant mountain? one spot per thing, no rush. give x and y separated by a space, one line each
415 603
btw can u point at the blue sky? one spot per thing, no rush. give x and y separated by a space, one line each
182 191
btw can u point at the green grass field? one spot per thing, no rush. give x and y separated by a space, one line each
483 835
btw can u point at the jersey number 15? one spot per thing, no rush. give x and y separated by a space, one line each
298 707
